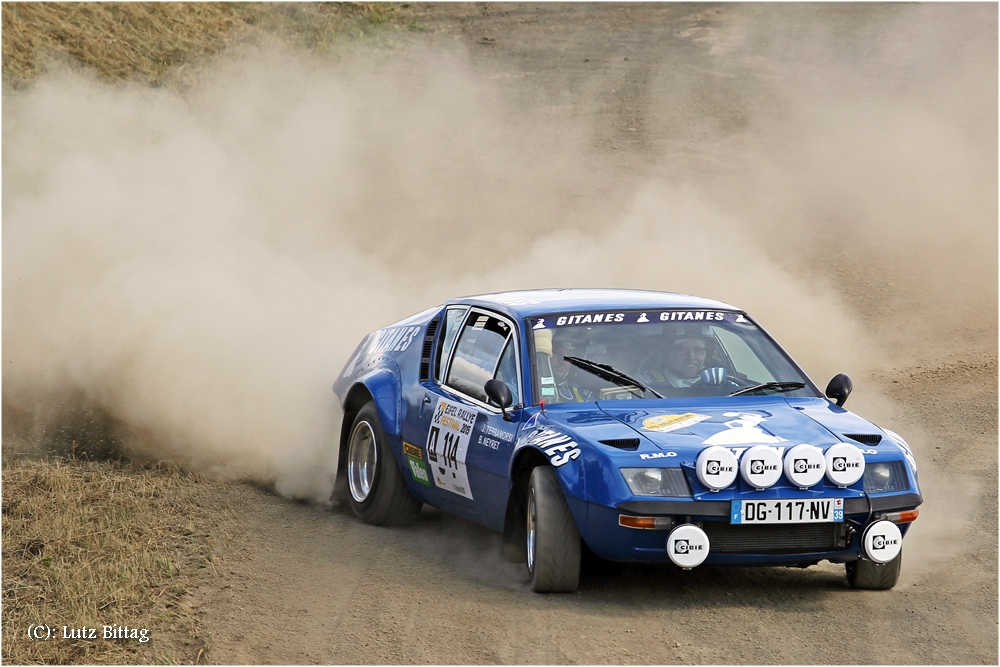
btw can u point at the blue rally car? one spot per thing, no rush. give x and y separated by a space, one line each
652 427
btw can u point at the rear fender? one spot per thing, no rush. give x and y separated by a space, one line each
382 387
383 384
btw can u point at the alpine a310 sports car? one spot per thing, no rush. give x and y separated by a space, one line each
650 427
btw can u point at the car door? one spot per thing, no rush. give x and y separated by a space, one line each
466 441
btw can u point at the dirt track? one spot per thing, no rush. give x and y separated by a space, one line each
299 585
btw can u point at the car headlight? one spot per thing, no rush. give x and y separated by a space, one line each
657 482
886 477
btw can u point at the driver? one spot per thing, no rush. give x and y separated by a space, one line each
566 344
687 348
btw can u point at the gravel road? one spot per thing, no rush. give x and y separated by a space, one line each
874 123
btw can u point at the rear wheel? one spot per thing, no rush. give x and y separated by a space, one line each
553 540
376 489
869 575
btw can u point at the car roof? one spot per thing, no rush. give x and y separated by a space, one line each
529 303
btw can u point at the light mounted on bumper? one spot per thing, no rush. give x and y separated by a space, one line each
657 482
881 541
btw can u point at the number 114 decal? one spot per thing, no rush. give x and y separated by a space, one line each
447 444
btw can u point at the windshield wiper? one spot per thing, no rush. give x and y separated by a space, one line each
779 387
609 373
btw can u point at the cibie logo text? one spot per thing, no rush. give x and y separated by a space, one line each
713 467
882 542
840 464
758 467
802 465
685 547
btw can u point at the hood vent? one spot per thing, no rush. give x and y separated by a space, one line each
865 438
622 443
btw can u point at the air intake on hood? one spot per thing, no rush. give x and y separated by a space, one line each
621 443
865 438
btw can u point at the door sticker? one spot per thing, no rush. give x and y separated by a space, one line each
447 444
415 459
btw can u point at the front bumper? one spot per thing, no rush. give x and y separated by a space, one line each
784 544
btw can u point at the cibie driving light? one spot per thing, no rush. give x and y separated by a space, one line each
716 468
657 482
845 464
687 546
882 541
760 467
804 465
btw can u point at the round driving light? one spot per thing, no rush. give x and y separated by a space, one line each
882 541
687 546
845 464
760 466
804 465
716 467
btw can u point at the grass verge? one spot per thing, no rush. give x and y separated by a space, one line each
89 544
148 42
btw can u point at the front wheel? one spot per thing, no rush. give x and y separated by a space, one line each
553 538
869 575
376 489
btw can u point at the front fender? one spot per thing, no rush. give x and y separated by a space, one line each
562 451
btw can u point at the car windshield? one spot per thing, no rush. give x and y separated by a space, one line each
626 354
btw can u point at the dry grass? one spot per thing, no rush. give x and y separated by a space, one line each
90 543
148 42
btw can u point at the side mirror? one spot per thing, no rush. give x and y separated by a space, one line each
839 389
499 393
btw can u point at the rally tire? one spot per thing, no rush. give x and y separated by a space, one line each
386 501
553 540
869 575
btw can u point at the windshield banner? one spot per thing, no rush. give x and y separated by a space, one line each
636 317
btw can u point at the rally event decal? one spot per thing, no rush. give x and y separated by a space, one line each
667 423
447 444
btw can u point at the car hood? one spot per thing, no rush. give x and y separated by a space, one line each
690 426
771 423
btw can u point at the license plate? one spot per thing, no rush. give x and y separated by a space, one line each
824 510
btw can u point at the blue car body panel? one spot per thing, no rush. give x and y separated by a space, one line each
394 366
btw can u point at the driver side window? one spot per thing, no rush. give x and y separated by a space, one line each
477 356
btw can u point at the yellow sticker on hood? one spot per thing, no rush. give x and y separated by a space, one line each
665 423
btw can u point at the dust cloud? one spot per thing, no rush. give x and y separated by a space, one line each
864 152
200 263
